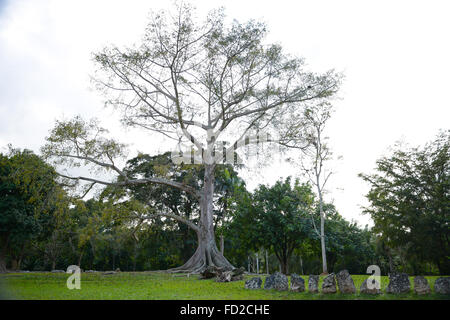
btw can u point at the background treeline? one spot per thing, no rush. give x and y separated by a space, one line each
43 228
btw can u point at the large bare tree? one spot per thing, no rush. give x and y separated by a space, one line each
194 82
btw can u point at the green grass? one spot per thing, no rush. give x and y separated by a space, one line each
162 286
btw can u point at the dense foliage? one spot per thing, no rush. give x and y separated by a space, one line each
275 218
410 203
28 196
42 228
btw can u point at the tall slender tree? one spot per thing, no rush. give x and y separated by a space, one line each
317 153
194 82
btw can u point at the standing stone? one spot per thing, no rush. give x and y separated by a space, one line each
442 285
398 283
345 282
313 284
374 289
277 281
253 283
329 284
421 285
297 283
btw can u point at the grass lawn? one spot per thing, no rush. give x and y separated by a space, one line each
162 286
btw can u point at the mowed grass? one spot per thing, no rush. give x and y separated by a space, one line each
163 286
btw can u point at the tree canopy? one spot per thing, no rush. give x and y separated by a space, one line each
410 200
28 193
276 217
201 83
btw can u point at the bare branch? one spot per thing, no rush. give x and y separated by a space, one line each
175 217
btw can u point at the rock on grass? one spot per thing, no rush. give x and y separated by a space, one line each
253 283
345 282
421 285
442 285
277 281
329 284
297 283
398 283
313 284
374 287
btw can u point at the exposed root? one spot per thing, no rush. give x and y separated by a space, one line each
202 259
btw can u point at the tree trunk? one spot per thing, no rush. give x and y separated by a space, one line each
285 269
19 261
79 258
207 253
2 263
135 255
257 263
267 263
113 262
3 251
284 265
391 262
322 229
301 265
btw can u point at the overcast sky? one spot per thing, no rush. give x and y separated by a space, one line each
395 56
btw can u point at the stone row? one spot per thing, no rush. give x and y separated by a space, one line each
398 283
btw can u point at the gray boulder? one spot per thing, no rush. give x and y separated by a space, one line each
313 284
345 282
297 283
329 284
277 281
253 283
421 285
398 283
442 285
375 288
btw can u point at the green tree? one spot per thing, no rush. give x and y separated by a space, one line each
313 165
410 201
28 192
275 218
348 246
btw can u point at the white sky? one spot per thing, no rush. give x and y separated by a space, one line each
395 55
